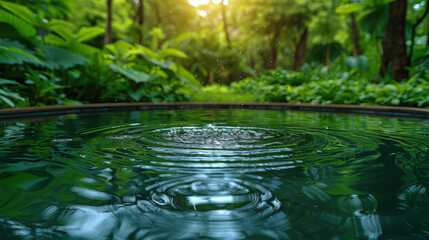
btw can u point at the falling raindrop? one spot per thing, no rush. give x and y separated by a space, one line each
247 12
256 29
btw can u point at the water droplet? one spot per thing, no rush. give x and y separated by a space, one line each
247 12
189 41
256 29
241 19
327 128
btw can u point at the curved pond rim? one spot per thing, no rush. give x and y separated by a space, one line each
389 111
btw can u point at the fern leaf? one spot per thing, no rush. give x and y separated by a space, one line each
23 28
88 33
19 10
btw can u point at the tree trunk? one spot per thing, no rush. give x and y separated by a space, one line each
427 39
355 33
328 55
272 63
108 36
413 32
140 14
211 76
157 13
394 49
300 50
225 24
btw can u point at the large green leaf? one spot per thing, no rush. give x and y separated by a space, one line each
57 58
88 33
82 49
19 10
350 8
5 97
62 28
134 75
23 28
170 52
55 40
8 82
187 77
14 52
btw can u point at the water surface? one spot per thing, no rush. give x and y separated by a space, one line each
214 174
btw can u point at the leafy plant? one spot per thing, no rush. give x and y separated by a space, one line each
8 97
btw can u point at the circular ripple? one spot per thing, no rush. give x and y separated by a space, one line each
214 206
202 193
219 149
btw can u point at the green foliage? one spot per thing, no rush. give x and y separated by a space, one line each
57 58
54 52
23 28
13 52
343 90
42 88
7 97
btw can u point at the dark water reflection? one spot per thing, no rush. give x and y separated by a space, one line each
214 175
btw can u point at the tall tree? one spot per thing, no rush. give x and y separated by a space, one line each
225 24
108 36
273 51
413 31
300 50
394 48
355 35
140 16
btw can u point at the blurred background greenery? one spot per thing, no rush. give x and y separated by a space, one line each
369 52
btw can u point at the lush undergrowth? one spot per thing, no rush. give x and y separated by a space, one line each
319 86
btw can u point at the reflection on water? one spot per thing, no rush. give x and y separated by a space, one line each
193 175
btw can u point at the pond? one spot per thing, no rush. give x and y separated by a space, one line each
214 174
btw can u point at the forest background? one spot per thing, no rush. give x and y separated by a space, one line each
367 52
